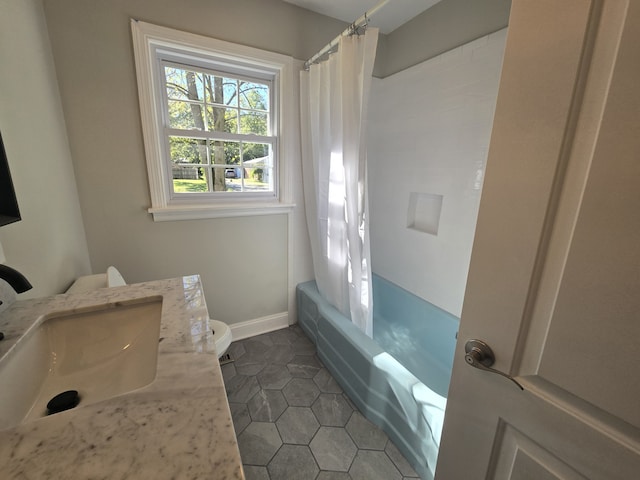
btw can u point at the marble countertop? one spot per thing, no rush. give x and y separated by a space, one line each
179 426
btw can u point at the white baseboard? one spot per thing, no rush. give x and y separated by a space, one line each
257 326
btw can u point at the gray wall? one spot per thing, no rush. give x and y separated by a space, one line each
446 25
242 261
48 246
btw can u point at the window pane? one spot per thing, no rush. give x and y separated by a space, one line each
232 178
257 160
224 153
187 151
226 179
254 96
188 179
257 154
221 90
184 84
258 179
221 119
185 115
254 122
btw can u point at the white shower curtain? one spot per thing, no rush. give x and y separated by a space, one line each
334 98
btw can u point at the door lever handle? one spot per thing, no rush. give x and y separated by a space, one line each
479 355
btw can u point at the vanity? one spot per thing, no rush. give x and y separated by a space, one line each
177 425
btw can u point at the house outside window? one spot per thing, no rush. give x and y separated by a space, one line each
212 116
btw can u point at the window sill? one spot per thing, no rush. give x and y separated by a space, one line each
200 212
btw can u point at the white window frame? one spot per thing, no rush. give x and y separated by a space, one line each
153 45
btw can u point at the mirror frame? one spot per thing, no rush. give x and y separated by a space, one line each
9 211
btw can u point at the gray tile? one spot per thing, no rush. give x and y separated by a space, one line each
254 350
284 336
249 369
249 359
258 443
326 383
303 346
304 366
255 342
241 388
267 405
314 398
251 472
279 354
350 402
295 328
399 461
301 392
274 377
327 475
333 449
293 462
297 425
332 410
373 465
228 371
366 434
236 350
240 416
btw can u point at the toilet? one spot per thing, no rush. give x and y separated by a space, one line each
113 278
221 336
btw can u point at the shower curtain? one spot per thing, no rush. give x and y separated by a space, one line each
334 98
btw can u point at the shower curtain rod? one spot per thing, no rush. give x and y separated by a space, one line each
350 30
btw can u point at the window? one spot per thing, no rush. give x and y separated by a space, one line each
213 115
218 129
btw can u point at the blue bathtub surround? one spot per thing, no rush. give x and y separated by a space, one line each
399 380
421 336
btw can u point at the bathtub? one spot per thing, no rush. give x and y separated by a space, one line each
398 380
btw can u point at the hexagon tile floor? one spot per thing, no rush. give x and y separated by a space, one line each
293 420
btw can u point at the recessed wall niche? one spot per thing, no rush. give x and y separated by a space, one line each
424 212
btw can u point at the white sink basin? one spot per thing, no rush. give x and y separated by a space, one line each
100 351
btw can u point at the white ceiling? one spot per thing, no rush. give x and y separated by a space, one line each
390 17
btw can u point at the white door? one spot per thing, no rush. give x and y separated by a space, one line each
554 282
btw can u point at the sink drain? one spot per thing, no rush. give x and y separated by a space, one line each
63 401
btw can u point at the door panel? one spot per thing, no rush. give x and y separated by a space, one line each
520 458
554 282
598 298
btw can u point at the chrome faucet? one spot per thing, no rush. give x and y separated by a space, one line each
16 280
